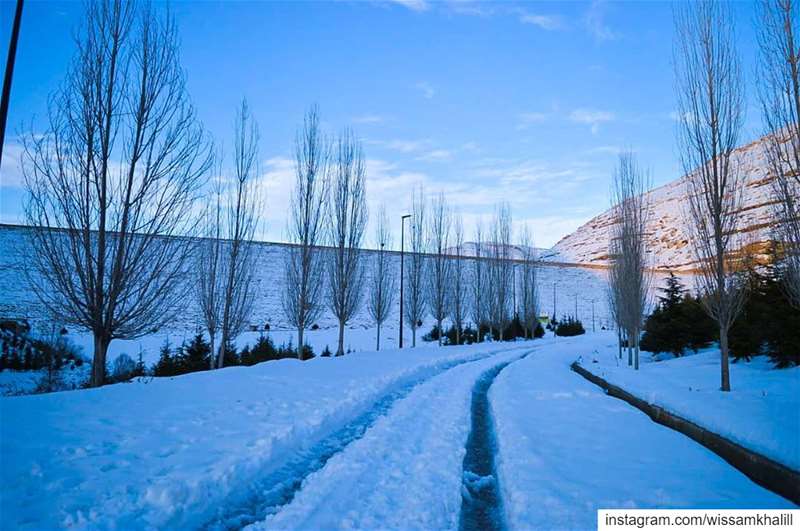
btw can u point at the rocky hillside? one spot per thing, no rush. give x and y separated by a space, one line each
668 244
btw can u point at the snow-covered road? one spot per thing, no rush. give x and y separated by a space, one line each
406 472
567 449
365 441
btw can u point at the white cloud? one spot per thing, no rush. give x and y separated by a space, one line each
591 117
11 171
595 22
414 5
403 146
426 88
436 155
545 22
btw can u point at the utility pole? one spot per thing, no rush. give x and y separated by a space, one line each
12 55
554 301
402 276
576 305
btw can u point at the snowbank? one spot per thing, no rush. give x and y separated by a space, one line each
566 449
168 452
761 412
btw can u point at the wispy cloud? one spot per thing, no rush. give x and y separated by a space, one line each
403 146
11 175
426 89
545 22
414 5
595 21
591 117
436 155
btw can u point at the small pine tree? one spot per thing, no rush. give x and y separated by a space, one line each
166 365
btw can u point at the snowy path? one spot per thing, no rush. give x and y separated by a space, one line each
406 472
566 449
188 451
278 488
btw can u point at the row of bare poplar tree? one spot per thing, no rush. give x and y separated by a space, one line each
325 262
118 197
711 102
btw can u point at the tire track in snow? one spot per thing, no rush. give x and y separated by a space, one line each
481 502
279 487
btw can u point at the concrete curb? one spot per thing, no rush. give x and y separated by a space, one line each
770 474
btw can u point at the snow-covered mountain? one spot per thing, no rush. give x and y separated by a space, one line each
668 243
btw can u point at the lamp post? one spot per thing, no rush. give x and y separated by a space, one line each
402 253
12 54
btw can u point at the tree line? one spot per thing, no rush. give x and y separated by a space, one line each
128 197
711 106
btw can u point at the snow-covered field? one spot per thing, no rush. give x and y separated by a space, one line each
567 449
363 441
761 412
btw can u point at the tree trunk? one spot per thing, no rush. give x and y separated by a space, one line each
458 335
619 341
378 342
340 348
212 336
636 352
99 361
413 336
221 350
300 343
723 346
630 352
441 332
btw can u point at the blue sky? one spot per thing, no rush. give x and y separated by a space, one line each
525 102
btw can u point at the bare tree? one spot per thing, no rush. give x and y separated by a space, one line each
779 76
414 300
438 270
347 219
629 276
529 294
500 269
209 265
305 266
113 181
612 294
711 103
384 279
458 283
479 308
239 258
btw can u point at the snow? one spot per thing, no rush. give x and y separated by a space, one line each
761 412
377 440
566 449
169 452
405 473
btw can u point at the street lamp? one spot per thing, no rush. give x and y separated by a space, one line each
402 252
12 55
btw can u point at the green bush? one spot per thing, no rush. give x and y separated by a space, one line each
768 323
569 326
678 322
